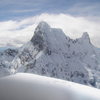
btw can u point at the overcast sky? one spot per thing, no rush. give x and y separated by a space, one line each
18 18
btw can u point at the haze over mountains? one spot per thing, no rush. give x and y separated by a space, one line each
51 53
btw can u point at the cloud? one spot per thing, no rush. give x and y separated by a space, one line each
14 9
24 10
18 32
85 9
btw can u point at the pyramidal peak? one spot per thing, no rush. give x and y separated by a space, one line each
40 30
42 26
85 38
85 35
47 37
44 32
45 27
44 35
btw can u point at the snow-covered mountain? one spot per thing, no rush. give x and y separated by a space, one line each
51 53
6 58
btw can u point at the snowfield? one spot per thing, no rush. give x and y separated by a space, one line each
22 86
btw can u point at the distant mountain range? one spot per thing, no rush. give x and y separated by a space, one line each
51 53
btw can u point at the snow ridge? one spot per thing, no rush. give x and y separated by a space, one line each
24 86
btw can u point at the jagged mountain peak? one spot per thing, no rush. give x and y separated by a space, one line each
43 24
40 35
40 31
45 36
44 32
85 37
44 28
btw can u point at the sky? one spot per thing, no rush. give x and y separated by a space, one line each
18 19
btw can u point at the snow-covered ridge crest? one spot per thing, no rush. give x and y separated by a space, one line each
45 36
85 35
45 30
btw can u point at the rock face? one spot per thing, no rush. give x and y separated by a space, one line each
51 53
6 58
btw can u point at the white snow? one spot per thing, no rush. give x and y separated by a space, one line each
22 86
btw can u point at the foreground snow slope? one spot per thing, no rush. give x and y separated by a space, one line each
23 86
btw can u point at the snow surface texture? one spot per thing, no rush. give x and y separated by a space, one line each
51 53
34 87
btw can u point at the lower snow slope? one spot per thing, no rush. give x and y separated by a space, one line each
23 86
